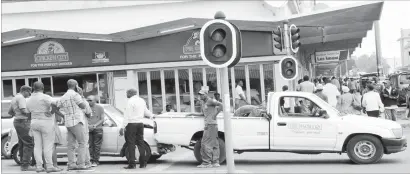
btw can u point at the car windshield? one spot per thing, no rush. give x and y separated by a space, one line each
111 110
405 78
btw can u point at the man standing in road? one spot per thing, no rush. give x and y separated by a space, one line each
335 82
95 123
22 123
209 143
134 114
372 102
71 105
332 92
86 116
42 127
389 98
306 85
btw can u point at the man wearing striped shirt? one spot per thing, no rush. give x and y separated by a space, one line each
70 106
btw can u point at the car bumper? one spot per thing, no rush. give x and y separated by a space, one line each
394 145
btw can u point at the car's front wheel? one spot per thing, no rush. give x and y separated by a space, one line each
4 146
365 149
222 152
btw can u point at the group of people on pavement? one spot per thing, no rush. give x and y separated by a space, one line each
36 123
375 100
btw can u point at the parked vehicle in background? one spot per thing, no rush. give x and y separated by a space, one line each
6 125
319 128
113 143
401 81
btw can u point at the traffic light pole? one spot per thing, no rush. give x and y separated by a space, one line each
230 161
286 39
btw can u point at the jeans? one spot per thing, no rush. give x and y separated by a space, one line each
390 114
44 137
25 141
76 135
210 145
95 142
134 135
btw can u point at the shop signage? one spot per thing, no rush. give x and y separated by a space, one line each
191 50
51 54
327 56
100 57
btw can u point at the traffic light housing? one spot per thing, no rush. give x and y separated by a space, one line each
221 44
294 38
289 68
278 41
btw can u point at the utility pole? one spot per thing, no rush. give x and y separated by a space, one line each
378 46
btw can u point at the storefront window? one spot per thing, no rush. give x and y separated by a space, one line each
255 84
103 88
185 101
142 85
170 93
86 81
240 76
19 84
211 81
268 77
32 80
156 92
47 85
7 89
197 78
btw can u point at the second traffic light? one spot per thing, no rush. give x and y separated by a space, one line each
221 44
278 42
289 68
294 38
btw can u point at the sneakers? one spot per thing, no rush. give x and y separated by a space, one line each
28 168
93 164
205 166
72 168
216 165
54 169
38 170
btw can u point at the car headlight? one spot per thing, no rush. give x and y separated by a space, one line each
398 132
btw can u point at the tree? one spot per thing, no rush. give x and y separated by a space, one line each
367 63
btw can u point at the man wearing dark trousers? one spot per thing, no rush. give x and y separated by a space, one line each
134 114
95 123
22 124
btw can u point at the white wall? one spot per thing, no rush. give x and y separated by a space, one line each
116 19
405 52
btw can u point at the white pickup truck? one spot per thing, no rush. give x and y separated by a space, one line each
318 129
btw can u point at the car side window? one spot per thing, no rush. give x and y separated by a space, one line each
108 122
298 107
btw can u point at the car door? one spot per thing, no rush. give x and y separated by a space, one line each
250 132
110 135
302 128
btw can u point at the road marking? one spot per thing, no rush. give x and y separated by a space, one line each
160 168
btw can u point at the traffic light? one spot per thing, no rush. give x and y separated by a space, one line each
294 38
221 44
278 42
289 68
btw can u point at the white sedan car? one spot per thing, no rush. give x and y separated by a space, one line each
113 143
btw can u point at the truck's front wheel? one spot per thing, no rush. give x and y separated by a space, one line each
222 153
365 149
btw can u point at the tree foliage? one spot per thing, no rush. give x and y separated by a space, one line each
367 63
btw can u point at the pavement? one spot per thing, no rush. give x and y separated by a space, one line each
183 161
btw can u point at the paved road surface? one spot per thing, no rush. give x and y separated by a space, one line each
182 161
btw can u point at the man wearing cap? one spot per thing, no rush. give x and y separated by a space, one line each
209 143
319 92
22 122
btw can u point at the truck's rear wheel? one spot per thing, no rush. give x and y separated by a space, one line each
222 152
365 149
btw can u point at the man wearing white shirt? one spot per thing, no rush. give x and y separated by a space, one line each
240 99
134 114
331 91
372 102
306 85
